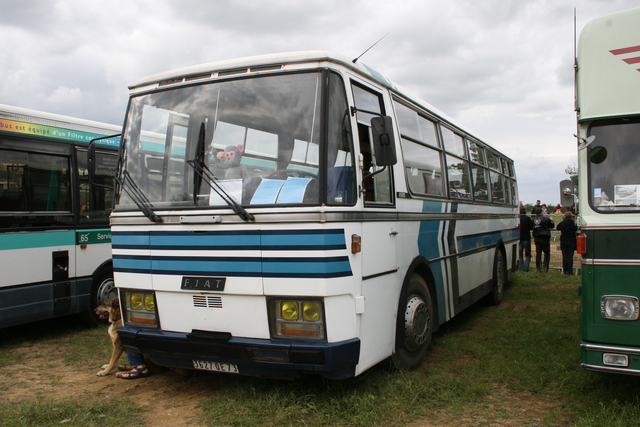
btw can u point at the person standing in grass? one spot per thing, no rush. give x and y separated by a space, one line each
524 251
542 226
533 209
568 230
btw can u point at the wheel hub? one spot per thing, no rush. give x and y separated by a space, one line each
416 323
106 290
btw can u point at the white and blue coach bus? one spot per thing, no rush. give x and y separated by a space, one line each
298 213
55 242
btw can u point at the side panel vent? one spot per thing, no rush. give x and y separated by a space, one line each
170 82
266 68
207 301
232 72
197 77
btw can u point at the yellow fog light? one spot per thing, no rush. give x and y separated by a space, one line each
289 310
294 319
311 311
140 309
149 302
136 301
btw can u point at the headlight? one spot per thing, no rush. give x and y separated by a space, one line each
296 319
149 302
140 309
289 310
615 359
136 301
619 307
311 311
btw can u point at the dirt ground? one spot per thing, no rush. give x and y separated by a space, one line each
167 398
171 400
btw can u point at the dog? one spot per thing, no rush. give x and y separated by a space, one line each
110 309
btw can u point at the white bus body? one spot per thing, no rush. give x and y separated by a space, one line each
329 262
55 241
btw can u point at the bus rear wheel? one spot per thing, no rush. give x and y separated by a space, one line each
415 325
103 288
499 279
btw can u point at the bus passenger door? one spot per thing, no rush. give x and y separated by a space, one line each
379 228
379 239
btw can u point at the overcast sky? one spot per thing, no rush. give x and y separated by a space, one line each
501 68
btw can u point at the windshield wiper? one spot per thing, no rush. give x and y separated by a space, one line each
202 170
136 194
199 159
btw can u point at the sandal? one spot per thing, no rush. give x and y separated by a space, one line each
139 371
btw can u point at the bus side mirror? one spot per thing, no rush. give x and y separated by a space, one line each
566 193
384 145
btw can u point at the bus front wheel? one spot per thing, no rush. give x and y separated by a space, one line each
415 325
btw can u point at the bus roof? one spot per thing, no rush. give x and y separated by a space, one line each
608 75
57 120
258 63
271 62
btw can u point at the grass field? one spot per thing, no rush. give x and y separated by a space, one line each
511 365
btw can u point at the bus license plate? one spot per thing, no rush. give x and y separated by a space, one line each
215 366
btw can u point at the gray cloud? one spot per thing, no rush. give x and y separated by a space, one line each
504 69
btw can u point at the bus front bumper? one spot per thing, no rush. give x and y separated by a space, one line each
257 357
608 358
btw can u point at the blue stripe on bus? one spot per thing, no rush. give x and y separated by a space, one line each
121 263
301 266
212 266
132 240
37 240
205 241
480 240
269 240
234 241
319 267
428 247
304 240
431 207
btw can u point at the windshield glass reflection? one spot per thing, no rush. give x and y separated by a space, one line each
614 177
261 142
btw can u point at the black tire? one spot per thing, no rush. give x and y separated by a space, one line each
103 288
499 279
415 325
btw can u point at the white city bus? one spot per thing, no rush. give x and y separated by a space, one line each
608 104
298 213
55 242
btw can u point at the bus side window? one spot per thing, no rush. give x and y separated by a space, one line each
365 150
13 168
377 188
96 200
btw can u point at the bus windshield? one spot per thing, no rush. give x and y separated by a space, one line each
260 138
614 177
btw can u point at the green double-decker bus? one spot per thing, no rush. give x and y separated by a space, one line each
608 107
